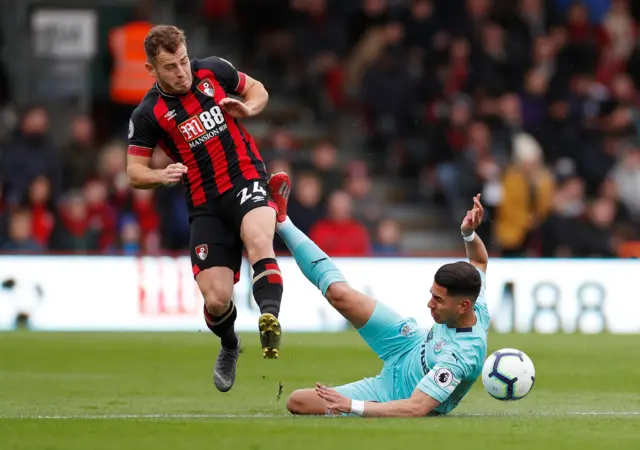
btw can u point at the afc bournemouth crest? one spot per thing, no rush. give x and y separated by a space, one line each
206 87
202 251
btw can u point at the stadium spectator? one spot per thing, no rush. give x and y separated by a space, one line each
74 231
28 155
79 156
305 204
42 211
366 206
527 198
339 234
387 239
326 165
20 235
101 214
130 236
626 175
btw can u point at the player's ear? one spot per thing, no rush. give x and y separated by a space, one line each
150 68
465 305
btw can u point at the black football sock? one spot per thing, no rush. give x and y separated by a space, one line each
267 286
222 326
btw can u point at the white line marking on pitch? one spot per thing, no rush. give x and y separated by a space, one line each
281 416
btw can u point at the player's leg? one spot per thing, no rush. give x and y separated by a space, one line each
256 221
214 265
376 323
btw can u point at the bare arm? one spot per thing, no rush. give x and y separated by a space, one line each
255 96
418 405
141 176
476 250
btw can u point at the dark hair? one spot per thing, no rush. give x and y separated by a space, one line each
163 37
461 279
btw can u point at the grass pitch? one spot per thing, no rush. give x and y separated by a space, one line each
155 391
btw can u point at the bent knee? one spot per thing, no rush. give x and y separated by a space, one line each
260 242
338 293
305 402
217 293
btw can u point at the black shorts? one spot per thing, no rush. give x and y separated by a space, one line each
215 230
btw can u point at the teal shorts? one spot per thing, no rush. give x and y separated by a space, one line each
390 336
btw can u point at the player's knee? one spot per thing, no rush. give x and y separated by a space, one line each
298 402
260 243
338 294
217 295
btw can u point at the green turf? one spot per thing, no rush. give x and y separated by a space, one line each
54 386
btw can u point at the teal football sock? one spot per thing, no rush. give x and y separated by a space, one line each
313 262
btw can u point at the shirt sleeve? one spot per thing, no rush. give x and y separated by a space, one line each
232 81
144 133
443 379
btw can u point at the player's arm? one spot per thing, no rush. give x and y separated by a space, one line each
433 389
476 250
418 405
255 96
237 83
141 176
143 136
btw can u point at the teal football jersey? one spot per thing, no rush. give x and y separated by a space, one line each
448 361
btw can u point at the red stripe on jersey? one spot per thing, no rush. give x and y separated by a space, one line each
198 196
242 82
249 172
213 145
136 150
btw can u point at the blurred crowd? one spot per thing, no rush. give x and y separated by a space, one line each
533 103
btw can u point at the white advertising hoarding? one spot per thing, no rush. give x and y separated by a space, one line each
158 293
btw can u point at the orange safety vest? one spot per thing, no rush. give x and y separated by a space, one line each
130 81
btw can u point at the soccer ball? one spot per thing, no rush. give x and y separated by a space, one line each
508 374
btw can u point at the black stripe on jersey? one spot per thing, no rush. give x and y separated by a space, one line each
255 161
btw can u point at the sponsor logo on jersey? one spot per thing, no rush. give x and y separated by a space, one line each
200 128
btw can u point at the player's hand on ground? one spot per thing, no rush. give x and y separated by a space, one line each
336 402
235 108
473 219
172 174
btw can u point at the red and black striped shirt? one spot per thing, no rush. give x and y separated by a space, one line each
193 130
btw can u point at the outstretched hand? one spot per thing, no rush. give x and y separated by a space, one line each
473 219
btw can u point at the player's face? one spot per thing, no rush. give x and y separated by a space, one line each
444 308
173 71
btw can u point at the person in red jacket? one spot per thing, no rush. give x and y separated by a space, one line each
339 234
